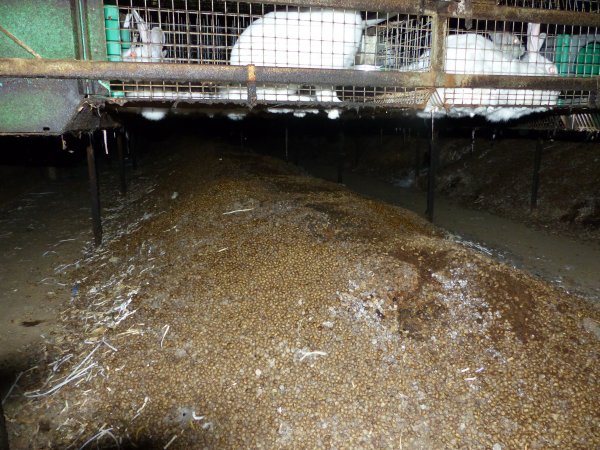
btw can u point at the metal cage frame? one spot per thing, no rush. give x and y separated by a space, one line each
383 90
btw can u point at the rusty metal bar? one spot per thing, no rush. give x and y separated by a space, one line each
438 48
491 11
103 70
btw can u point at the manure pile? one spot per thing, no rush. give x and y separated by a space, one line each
240 304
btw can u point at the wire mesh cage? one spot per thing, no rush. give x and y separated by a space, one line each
276 35
561 5
241 33
237 33
489 47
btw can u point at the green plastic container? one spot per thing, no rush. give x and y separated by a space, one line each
588 60
113 48
125 39
111 23
113 34
563 42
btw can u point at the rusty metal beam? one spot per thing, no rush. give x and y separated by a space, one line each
438 48
491 11
516 82
102 70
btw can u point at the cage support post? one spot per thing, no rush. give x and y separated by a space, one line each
107 138
431 174
417 163
340 157
3 432
94 192
131 150
535 181
287 155
121 156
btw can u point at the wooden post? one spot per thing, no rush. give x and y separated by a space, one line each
94 193
535 182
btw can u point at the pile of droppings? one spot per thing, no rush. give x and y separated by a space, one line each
240 304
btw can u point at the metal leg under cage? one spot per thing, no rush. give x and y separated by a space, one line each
535 182
121 157
341 156
131 147
286 147
3 432
431 174
94 192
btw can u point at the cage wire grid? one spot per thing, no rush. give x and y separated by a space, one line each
592 6
239 33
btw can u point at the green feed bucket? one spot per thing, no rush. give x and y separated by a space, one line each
113 35
588 60
563 42
111 23
125 39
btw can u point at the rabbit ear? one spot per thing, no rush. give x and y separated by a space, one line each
142 27
534 42
127 21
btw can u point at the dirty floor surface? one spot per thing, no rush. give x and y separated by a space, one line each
239 304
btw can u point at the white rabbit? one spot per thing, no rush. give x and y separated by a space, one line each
508 43
150 50
320 38
153 41
473 54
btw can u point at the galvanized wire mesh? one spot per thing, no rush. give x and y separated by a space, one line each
522 49
280 35
582 122
272 93
562 5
